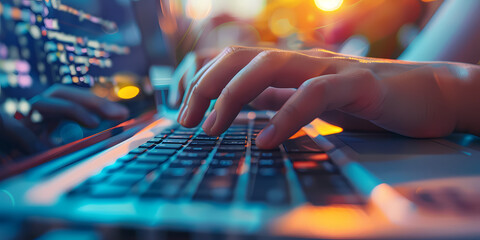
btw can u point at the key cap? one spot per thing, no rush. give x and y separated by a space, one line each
164 188
127 179
175 141
147 145
177 173
216 163
315 167
231 137
266 154
234 142
308 156
156 159
208 138
168 146
198 149
270 163
193 155
182 163
229 155
229 148
108 191
326 189
218 189
166 152
303 145
138 151
174 136
271 190
202 143
137 167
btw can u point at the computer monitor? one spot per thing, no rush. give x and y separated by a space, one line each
84 43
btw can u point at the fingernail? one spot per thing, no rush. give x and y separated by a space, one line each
266 134
209 121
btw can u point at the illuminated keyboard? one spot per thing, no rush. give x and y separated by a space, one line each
187 164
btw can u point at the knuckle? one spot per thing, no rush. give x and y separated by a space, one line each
232 49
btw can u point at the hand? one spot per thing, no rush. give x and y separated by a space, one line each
413 99
55 104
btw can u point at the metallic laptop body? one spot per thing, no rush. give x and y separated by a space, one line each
162 179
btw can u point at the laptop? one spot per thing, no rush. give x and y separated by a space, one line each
149 178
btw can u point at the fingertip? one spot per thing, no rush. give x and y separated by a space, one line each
266 137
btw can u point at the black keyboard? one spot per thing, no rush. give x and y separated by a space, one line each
186 164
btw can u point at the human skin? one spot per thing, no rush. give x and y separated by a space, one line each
416 99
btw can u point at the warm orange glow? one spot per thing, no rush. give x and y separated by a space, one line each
396 207
328 5
324 128
298 134
198 9
128 92
330 221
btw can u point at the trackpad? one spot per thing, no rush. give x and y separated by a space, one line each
387 143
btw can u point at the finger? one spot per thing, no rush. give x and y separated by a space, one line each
195 79
269 68
83 97
208 86
55 108
272 98
358 93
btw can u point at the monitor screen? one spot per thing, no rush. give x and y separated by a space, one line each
88 44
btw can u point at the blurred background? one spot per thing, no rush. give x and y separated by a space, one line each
376 28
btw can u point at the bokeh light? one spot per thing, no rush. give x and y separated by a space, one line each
128 92
328 5
198 9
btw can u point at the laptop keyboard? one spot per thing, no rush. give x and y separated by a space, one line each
183 164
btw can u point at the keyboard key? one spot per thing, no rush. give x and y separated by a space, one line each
231 137
156 159
308 156
177 173
164 188
315 167
326 189
234 142
202 143
216 188
302 145
198 149
270 190
229 155
266 154
208 138
147 145
270 163
138 151
175 141
182 163
138 167
108 191
229 148
193 155
167 152
168 146
216 163
127 179
174 136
